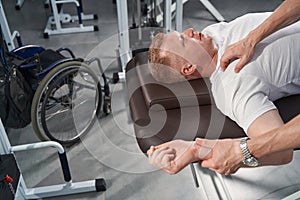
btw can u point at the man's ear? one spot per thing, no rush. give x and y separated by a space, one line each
188 69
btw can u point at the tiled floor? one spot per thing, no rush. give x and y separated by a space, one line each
109 150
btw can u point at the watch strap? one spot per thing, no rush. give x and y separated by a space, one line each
249 160
244 148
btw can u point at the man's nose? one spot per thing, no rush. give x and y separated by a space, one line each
188 32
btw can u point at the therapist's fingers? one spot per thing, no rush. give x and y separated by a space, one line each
229 56
225 60
242 50
208 164
205 150
239 65
205 142
242 62
221 170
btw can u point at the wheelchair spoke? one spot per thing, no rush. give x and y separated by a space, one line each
67 100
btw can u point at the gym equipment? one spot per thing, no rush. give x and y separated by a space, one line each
142 9
69 187
20 3
55 22
8 36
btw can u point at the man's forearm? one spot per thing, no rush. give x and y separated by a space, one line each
287 137
286 14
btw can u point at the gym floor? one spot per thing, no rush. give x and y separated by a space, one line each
109 150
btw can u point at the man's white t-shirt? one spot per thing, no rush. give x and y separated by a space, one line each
272 73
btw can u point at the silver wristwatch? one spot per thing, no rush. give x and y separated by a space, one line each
249 160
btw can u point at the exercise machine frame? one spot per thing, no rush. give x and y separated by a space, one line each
177 7
60 18
67 188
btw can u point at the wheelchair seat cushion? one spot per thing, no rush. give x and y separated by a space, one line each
48 57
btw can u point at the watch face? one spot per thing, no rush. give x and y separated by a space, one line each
251 162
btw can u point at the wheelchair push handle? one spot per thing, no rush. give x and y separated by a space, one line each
67 50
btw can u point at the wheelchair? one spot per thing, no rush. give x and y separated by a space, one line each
67 92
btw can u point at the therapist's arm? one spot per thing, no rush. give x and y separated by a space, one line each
286 14
226 156
287 137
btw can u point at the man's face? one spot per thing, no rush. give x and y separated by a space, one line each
193 46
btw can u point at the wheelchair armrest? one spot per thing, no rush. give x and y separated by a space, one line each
27 51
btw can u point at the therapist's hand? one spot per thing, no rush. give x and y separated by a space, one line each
226 156
173 156
243 50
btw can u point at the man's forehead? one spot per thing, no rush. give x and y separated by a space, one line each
168 43
171 35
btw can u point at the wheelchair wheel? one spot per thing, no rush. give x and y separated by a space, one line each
66 103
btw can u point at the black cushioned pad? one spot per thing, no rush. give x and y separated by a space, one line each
170 96
153 126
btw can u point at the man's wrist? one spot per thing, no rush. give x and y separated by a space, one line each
196 151
200 152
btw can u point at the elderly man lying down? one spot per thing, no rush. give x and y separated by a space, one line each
246 97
